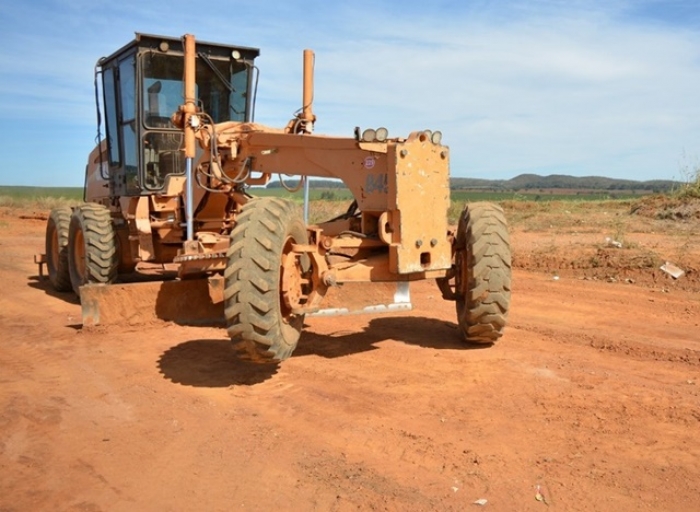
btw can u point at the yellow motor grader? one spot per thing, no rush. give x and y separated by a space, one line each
172 184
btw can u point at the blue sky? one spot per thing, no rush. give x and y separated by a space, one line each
606 88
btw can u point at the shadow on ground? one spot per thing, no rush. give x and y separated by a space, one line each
211 364
420 331
43 284
214 363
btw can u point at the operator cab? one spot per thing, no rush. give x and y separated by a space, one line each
142 86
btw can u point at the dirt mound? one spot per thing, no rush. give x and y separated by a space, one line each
667 207
632 266
613 241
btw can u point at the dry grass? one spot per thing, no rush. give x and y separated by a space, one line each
681 204
46 203
691 188
610 217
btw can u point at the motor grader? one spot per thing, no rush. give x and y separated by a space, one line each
172 183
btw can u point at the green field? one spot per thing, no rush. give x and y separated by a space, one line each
22 195
578 195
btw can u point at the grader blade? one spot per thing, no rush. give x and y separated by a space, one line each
352 299
186 302
200 301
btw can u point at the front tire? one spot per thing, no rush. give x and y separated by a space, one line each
92 247
259 318
483 273
57 249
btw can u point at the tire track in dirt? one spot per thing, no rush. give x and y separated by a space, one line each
626 349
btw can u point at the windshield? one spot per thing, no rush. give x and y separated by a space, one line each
220 93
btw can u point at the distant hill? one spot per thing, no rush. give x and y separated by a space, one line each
558 181
527 182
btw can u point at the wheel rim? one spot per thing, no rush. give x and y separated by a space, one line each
79 254
54 247
291 282
460 274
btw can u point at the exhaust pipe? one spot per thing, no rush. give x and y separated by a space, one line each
189 109
307 115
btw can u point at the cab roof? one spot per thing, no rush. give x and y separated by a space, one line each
175 45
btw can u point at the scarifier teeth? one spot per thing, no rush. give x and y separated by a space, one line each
199 257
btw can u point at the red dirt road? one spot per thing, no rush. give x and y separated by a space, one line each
592 397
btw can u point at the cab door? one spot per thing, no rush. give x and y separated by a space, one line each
119 97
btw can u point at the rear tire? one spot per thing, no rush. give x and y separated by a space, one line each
92 247
57 249
259 321
483 280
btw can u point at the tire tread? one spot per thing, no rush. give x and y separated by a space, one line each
483 236
252 281
59 274
101 262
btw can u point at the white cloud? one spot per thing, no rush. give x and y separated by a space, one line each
542 86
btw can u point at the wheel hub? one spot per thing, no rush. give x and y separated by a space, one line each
291 285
